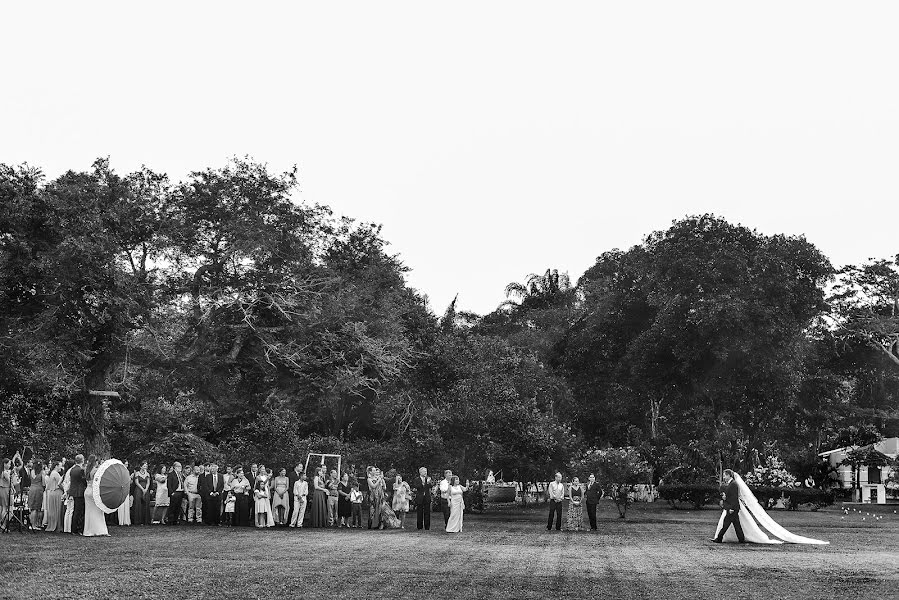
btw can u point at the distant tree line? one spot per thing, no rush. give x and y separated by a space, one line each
236 322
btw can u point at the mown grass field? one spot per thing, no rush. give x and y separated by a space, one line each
655 553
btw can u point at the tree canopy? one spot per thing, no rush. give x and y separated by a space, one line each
231 319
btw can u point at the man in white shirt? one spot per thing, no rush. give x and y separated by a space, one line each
556 497
194 501
300 492
444 495
69 503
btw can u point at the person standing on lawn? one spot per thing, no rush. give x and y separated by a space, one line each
77 486
457 505
400 503
300 494
175 485
211 487
556 498
592 496
319 499
422 486
444 495
333 496
292 477
242 490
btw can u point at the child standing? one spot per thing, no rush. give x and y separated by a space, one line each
229 509
356 506
263 508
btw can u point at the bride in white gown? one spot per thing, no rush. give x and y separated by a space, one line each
94 519
755 521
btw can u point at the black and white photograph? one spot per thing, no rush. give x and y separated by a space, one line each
416 300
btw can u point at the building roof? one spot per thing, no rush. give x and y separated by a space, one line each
886 446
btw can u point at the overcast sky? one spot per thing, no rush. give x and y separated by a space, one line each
491 139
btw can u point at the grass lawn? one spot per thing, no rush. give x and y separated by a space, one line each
655 553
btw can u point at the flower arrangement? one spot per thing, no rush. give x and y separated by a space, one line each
771 474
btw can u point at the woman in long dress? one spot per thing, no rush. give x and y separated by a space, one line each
68 501
94 519
54 498
382 516
575 506
5 487
376 493
457 505
162 494
401 493
280 501
141 507
36 494
319 499
123 513
344 510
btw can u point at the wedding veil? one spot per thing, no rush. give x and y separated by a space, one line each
749 502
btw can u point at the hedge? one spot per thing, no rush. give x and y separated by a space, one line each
701 494
697 494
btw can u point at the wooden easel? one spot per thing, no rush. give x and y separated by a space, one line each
323 457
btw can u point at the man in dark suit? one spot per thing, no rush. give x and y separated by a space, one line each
732 507
77 486
594 492
422 486
175 485
211 487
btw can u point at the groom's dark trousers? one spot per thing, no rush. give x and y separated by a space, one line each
731 518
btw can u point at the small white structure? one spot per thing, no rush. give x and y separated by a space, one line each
871 480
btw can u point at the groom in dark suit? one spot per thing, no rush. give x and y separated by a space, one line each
422 486
77 486
732 507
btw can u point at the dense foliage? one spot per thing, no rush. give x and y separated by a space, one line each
236 323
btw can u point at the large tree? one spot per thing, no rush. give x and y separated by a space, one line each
77 277
700 323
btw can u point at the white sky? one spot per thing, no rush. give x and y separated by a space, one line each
492 139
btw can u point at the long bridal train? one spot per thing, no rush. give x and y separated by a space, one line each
755 521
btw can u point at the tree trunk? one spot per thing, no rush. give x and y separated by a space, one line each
93 408
93 425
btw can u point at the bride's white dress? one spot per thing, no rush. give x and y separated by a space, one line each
755 521
94 519
457 509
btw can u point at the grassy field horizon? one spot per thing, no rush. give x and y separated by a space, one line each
655 553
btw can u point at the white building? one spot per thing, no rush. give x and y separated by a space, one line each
871 480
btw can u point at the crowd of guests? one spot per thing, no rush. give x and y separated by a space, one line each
60 497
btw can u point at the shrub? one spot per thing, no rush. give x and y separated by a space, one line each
795 496
771 474
697 494
617 470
